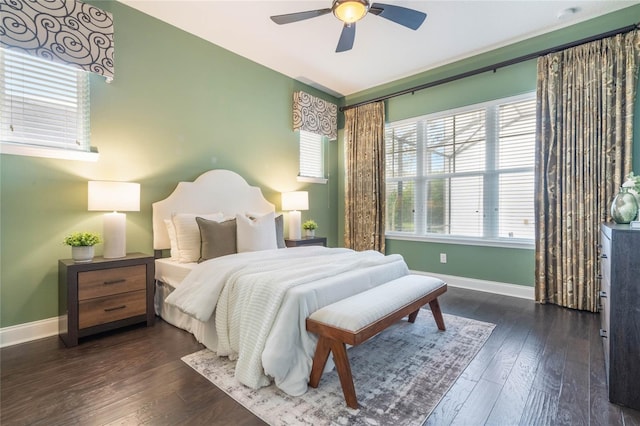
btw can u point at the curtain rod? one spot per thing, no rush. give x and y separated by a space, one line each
495 67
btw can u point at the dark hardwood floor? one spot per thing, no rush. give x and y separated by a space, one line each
541 365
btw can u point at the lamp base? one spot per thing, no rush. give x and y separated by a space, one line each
115 235
294 225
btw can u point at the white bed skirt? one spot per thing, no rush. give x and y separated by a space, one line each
204 332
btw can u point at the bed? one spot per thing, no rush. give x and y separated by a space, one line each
250 303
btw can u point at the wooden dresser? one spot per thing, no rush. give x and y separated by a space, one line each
103 295
620 312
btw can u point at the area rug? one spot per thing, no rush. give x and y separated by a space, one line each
400 375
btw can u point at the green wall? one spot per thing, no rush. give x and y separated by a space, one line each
178 106
508 265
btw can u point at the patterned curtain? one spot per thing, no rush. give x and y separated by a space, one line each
315 115
364 176
586 100
65 31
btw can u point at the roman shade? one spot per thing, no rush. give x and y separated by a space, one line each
64 31
315 115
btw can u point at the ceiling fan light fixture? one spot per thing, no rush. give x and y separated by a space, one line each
350 11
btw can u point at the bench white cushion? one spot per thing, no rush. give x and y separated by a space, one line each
362 309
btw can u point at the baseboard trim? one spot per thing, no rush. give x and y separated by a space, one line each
505 289
28 331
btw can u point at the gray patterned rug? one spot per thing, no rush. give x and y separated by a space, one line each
400 376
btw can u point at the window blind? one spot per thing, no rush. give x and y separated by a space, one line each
43 103
516 154
463 173
311 155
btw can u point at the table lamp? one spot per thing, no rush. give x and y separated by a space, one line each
114 196
294 202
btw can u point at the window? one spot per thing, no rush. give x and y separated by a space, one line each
44 108
464 175
311 157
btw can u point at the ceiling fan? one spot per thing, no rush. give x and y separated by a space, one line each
351 11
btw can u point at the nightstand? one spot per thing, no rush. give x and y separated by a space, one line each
306 241
104 295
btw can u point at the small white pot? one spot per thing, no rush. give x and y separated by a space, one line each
309 232
82 254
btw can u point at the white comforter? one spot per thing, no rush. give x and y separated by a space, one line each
262 299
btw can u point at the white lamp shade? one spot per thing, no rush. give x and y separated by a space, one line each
296 200
113 196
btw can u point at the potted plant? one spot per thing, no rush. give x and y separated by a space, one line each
310 227
82 245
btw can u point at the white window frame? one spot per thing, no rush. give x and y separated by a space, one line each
312 165
43 148
419 234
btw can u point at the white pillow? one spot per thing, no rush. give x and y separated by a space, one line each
279 224
171 230
257 234
188 234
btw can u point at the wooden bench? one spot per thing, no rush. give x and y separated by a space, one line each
355 319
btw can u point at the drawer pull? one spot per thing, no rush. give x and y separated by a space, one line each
115 308
603 293
603 255
599 277
119 280
603 333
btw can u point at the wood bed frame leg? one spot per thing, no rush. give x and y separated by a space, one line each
339 350
413 315
437 314
319 361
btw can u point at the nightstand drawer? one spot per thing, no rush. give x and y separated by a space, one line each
111 308
106 282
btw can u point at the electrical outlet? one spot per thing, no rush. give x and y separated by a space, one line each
443 257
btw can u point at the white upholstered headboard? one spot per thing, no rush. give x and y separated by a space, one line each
213 191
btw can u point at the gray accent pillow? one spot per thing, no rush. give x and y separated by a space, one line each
280 232
216 238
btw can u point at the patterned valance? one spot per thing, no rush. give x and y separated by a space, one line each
66 31
315 115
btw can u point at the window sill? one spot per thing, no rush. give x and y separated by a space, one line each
312 179
44 152
466 241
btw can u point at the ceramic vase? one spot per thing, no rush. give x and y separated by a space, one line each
624 208
82 254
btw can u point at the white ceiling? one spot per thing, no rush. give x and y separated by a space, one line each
383 51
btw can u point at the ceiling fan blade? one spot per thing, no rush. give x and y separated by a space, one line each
298 16
347 37
410 18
